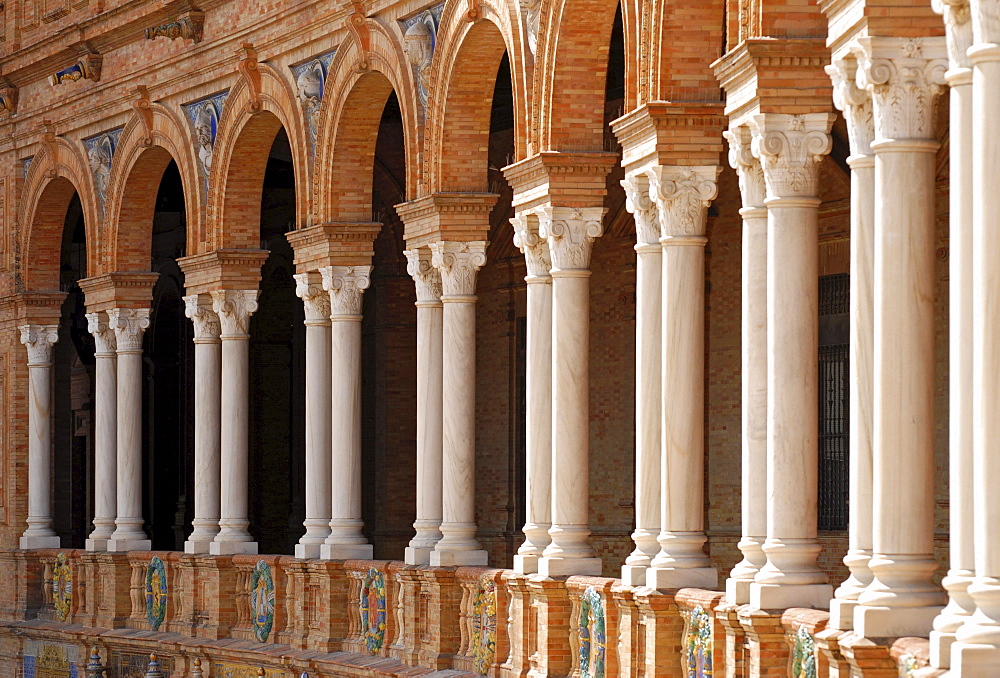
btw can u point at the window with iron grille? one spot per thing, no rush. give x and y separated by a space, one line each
834 338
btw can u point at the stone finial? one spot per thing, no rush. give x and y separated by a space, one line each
94 668
197 672
154 670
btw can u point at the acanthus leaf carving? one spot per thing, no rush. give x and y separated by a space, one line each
790 148
640 205
130 325
683 195
748 168
315 300
426 278
39 339
855 103
207 327
986 21
346 286
534 248
458 263
957 17
104 335
570 232
234 308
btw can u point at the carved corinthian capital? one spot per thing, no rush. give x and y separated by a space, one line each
316 300
39 339
958 29
855 103
640 205
458 263
234 308
104 335
532 246
130 325
346 285
904 76
985 21
198 307
790 148
570 232
425 276
748 169
682 196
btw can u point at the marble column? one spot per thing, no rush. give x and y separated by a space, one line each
855 103
458 263
538 393
961 505
790 148
754 366
682 196
39 339
976 652
207 422
309 288
570 233
234 308
130 325
430 330
345 285
105 431
904 76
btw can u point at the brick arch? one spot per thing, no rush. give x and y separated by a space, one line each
57 173
681 41
571 69
134 184
349 121
242 144
466 59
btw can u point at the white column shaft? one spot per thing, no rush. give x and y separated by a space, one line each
105 432
207 443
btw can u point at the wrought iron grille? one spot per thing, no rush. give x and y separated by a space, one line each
834 420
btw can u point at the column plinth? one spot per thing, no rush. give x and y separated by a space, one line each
39 339
458 264
430 331
345 286
105 427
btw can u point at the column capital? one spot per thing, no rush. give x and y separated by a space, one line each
234 308
532 245
957 17
855 103
39 339
682 195
904 76
790 148
640 205
426 278
104 335
345 285
985 22
570 232
129 325
748 169
207 329
458 263
316 300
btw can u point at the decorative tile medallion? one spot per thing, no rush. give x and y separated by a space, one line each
204 117
62 587
804 655
156 593
234 670
484 624
135 664
907 665
593 640
100 151
261 601
698 644
310 79
372 606
419 40
49 660
26 165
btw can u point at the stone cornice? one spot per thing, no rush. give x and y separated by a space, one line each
333 244
851 19
222 269
455 217
39 308
667 133
562 179
118 290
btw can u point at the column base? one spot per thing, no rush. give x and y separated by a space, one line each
784 596
196 547
418 555
634 575
346 551
556 566
526 564
975 661
738 591
842 614
39 542
894 622
125 545
233 548
941 643
96 544
477 558
307 551
682 578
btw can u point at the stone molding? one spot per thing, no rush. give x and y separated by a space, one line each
790 148
309 288
104 334
207 327
426 278
346 285
39 340
639 203
458 263
855 103
682 196
534 248
333 244
570 232
129 324
234 308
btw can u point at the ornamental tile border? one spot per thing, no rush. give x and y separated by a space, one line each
484 625
592 630
804 655
261 601
371 605
62 587
698 644
156 593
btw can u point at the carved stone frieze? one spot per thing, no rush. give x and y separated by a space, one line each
682 195
346 286
855 103
425 276
309 288
790 148
904 76
748 168
188 26
534 248
458 263
39 339
87 68
130 325
104 335
570 232
640 205
234 308
207 327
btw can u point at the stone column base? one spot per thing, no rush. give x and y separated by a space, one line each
885 622
975 661
233 548
782 597
557 566
307 551
842 614
418 555
345 551
96 544
477 558
678 578
738 591
634 575
526 564
29 543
